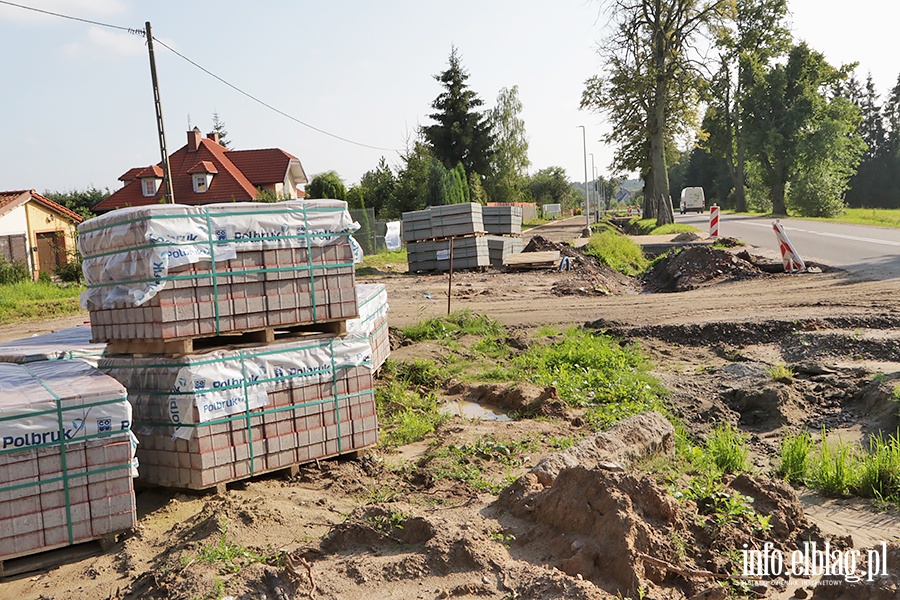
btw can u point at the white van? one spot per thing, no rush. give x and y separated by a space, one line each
692 199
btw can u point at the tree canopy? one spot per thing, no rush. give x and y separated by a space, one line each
460 133
509 163
326 185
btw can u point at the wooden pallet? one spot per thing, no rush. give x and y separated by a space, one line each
259 337
56 555
532 260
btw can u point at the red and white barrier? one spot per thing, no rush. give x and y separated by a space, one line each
630 211
714 221
790 258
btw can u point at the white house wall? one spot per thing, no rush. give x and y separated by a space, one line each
14 222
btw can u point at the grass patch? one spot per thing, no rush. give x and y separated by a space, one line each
617 251
671 228
229 556
453 326
467 462
408 408
383 259
841 469
881 217
727 449
591 370
27 300
782 373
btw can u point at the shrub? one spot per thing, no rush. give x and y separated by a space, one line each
13 272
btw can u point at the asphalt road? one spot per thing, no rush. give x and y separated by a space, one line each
864 251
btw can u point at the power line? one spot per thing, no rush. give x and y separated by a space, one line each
71 18
267 105
141 32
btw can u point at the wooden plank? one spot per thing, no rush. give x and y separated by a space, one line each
258 337
531 259
53 557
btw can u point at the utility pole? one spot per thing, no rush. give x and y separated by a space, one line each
587 196
167 177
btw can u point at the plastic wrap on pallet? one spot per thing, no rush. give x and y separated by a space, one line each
372 300
42 401
129 252
67 456
319 403
373 320
73 342
216 385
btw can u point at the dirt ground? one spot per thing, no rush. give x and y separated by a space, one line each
383 526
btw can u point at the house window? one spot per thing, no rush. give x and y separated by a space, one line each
201 182
150 186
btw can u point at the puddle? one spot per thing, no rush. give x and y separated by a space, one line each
473 410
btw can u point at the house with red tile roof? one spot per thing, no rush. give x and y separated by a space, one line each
205 172
36 231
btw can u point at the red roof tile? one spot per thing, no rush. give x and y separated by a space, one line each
204 166
269 165
151 171
130 174
14 199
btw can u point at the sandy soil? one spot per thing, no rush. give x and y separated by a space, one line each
385 526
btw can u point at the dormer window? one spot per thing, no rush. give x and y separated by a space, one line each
202 175
150 185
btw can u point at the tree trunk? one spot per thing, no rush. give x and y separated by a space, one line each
665 214
649 208
778 207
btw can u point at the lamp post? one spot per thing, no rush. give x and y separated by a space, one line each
587 209
594 185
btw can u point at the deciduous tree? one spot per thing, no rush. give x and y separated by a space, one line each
510 157
326 185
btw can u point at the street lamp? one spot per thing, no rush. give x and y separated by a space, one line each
587 210
594 184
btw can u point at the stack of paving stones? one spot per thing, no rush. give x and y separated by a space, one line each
240 404
167 272
225 415
373 320
457 225
62 344
504 227
66 457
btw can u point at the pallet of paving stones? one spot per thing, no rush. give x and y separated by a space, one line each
183 346
66 459
62 344
212 418
468 253
169 272
442 222
502 220
501 247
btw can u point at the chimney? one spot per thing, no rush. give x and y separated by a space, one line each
214 136
194 136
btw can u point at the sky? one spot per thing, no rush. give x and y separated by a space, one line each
77 109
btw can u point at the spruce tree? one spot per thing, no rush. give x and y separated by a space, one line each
460 134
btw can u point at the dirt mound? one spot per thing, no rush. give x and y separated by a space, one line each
690 268
627 535
523 398
587 276
398 542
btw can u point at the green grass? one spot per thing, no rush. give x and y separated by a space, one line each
373 263
28 300
590 370
617 251
727 449
842 469
467 462
783 373
672 228
882 217
408 408
451 327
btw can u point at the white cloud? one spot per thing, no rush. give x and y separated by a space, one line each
105 43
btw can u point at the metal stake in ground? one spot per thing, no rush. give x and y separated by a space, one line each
450 279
